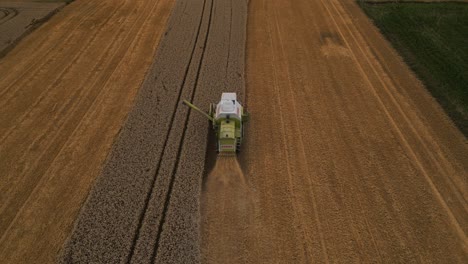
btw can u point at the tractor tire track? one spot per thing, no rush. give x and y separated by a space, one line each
71 109
148 241
7 14
21 18
377 173
152 179
155 231
411 144
183 209
46 55
50 138
70 131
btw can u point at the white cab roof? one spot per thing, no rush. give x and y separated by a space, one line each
228 106
229 96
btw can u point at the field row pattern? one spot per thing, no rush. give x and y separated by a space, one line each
145 205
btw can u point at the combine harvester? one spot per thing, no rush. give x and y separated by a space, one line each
228 118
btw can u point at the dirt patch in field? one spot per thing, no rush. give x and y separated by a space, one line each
17 19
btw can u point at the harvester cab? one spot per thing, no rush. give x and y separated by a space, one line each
227 118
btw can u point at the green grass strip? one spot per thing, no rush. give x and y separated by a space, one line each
433 40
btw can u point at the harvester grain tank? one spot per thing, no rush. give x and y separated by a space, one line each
227 118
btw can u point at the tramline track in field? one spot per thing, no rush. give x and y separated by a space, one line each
150 182
7 14
185 86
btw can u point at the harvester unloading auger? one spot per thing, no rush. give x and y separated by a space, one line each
228 118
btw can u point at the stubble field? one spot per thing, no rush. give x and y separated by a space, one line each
144 207
65 90
347 157
18 18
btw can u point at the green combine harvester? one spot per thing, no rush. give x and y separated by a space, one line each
228 118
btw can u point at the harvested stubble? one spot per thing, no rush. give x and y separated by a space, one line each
66 89
145 205
17 19
360 164
228 208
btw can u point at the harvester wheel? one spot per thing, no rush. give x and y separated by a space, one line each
245 117
212 109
